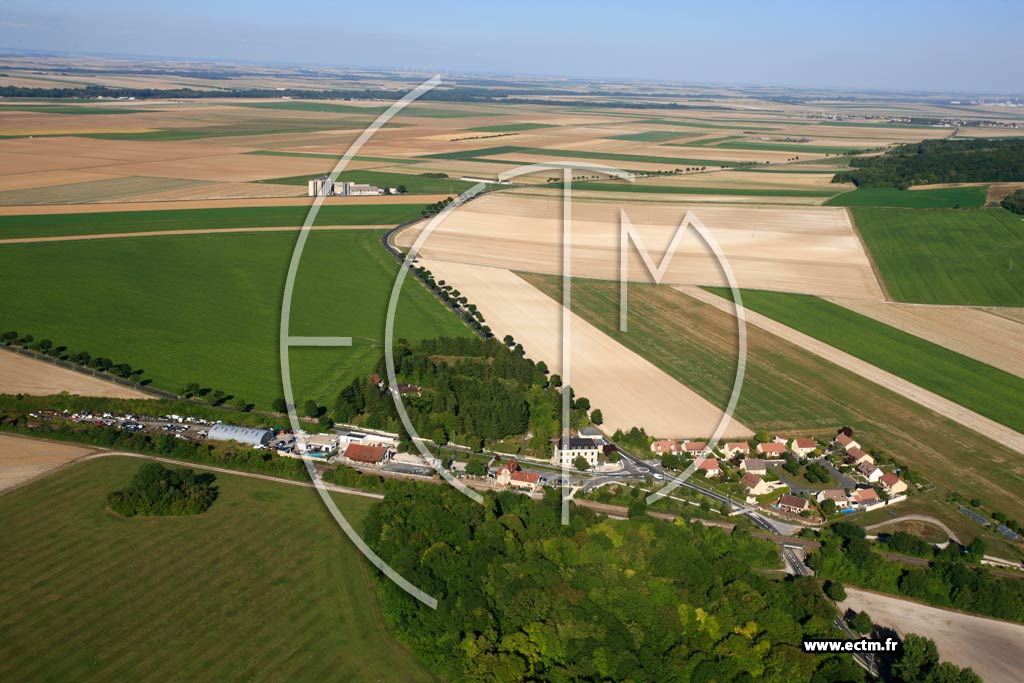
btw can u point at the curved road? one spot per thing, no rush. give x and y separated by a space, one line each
917 518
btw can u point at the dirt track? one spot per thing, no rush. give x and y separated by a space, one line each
22 375
916 518
991 647
968 418
629 390
159 233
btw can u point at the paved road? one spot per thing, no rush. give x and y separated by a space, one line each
864 659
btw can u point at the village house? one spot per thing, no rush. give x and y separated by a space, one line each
578 447
856 456
869 472
665 446
697 448
772 449
321 445
709 466
892 484
754 466
846 442
803 447
837 496
863 498
756 486
792 504
737 448
367 455
510 475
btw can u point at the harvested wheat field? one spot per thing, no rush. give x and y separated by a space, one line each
23 459
22 375
989 646
808 249
629 390
978 333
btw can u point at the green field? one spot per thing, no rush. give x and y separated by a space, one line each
206 308
702 124
790 147
299 105
939 198
679 189
481 154
652 136
932 256
50 225
509 127
788 390
262 586
414 184
986 390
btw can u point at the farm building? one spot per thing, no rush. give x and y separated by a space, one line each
370 455
245 435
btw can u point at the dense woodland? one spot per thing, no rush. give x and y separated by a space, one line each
156 491
939 161
522 597
471 390
846 556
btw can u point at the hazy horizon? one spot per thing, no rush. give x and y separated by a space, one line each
873 46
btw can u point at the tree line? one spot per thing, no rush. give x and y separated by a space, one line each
1014 202
939 161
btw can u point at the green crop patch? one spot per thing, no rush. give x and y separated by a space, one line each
938 198
963 380
652 136
62 224
509 127
805 147
973 257
207 308
226 593
325 107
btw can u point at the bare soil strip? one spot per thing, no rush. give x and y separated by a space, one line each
159 233
22 460
21 375
968 418
981 334
629 390
989 646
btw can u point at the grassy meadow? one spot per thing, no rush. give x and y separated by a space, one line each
206 308
262 586
970 258
53 225
787 390
982 388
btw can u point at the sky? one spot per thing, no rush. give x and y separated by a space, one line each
967 47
